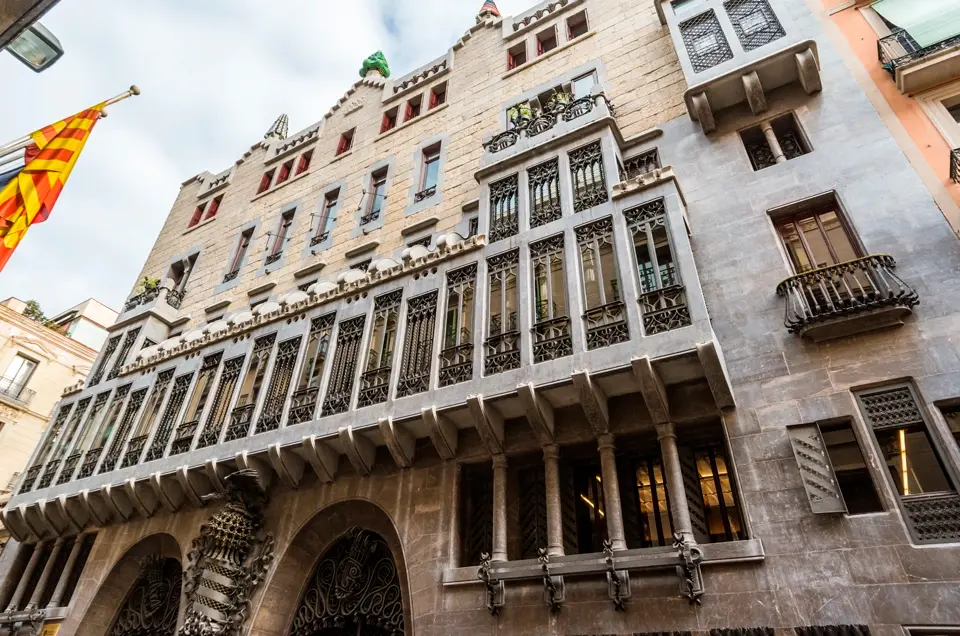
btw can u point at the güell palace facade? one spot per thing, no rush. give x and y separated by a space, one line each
616 318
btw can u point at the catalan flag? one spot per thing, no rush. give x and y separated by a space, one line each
33 175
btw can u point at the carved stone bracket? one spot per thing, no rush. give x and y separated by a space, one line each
691 578
495 589
618 581
554 592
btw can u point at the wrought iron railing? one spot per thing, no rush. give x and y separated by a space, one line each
174 298
143 298
240 420
30 478
640 164
900 48
934 517
374 386
540 122
303 404
503 352
606 325
664 309
273 258
319 238
456 364
16 391
955 165
89 464
134 450
48 473
844 289
424 194
69 465
552 339
183 437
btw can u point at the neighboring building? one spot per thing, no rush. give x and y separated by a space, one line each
39 362
910 52
605 321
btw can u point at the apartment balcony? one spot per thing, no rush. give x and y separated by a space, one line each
162 302
955 165
15 393
848 298
916 68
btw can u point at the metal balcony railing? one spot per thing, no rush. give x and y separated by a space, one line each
16 391
955 165
899 48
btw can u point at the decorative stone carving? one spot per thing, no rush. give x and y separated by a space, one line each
691 578
151 608
377 63
228 560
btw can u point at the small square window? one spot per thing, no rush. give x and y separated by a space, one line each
361 265
577 25
583 85
753 22
517 56
213 207
196 216
285 171
546 41
413 108
346 141
791 142
438 95
389 120
431 171
473 227
304 164
265 181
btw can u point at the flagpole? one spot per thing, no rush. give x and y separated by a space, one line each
23 142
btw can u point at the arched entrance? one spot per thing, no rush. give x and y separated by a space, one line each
354 590
153 603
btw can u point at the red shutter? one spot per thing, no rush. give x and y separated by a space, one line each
212 208
409 112
433 99
385 125
304 162
265 182
196 216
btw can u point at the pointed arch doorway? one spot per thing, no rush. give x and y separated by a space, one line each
354 590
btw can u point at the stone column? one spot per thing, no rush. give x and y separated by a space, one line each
57 599
25 577
611 493
499 508
673 476
773 142
45 576
551 478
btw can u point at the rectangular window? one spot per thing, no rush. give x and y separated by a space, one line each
754 22
376 194
271 414
704 41
346 142
285 169
213 207
421 242
816 235
503 328
179 273
304 164
590 506
202 389
952 416
438 95
431 171
517 56
304 400
18 374
413 108
221 400
197 215
456 358
720 506
476 512
649 493
552 337
389 120
265 181
850 468
250 387
787 142
504 205
583 85
605 316
546 41
586 171
276 250
954 112
128 339
345 358
544 182
375 380
473 227
330 201
417 360
237 261
577 25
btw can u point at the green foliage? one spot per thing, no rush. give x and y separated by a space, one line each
147 285
33 312
376 62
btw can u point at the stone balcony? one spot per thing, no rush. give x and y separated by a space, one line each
916 68
852 297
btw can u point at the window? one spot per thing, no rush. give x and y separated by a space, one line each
590 506
242 414
647 490
954 112
417 359
197 215
605 318
583 85
18 374
330 201
413 108
383 338
346 142
363 265
476 512
577 25
285 169
503 329
704 41
517 56
720 507
544 182
304 164
504 204
271 414
221 400
202 389
422 242
850 468
430 173
265 181
237 261
754 22
655 264
375 196
304 400
438 95
213 207
775 141
816 235
952 416
473 227
551 329
276 250
210 207
456 358
180 272
345 358
389 119
546 41
586 170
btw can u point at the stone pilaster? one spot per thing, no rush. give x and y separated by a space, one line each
499 508
551 478
611 492
673 475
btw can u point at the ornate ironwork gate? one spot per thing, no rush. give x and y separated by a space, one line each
353 591
151 608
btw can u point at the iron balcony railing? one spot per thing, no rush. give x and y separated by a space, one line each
845 289
16 391
899 48
955 165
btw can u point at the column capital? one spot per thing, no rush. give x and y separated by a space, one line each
665 430
499 460
551 451
606 442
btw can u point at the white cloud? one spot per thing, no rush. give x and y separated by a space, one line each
214 75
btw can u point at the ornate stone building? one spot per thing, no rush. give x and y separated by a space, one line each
617 318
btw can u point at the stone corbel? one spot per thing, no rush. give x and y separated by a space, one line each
73 512
247 461
652 389
691 577
495 591
188 487
554 593
756 98
93 502
808 71
703 113
323 459
593 401
618 581
144 501
288 464
216 473
489 423
359 450
539 413
40 521
443 432
712 366
167 491
115 499
399 441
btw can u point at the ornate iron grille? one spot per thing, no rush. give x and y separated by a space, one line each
97 375
606 316
375 381
303 402
283 367
184 433
543 119
503 343
833 630
504 206
641 164
533 511
70 464
221 400
175 298
891 408
64 443
134 450
477 521
544 193
113 413
754 22
126 423
845 289
48 473
34 471
183 437
242 415
128 340
344 366
418 344
353 589
424 194
152 606
664 310
934 517
456 357
586 171
955 165
551 330
240 419
704 40
170 415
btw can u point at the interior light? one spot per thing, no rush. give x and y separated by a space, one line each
903 462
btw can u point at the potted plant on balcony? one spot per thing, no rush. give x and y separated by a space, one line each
148 287
558 101
520 115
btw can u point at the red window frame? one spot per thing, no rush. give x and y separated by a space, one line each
196 216
346 142
389 120
285 171
438 95
304 162
265 181
212 207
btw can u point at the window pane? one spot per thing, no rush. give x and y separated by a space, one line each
645 265
496 305
591 524
591 276
431 170
608 269
583 85
719 502
953 421
853 477
912 461
654 504
837 237
668 270
452 323
558 283
466 318
794 247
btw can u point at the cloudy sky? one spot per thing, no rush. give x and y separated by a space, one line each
214 76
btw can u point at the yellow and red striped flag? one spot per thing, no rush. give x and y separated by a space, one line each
31 191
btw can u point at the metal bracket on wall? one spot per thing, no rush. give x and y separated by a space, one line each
495 588
618 581
691 578
553 590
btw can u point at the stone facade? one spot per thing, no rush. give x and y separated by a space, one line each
585 417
